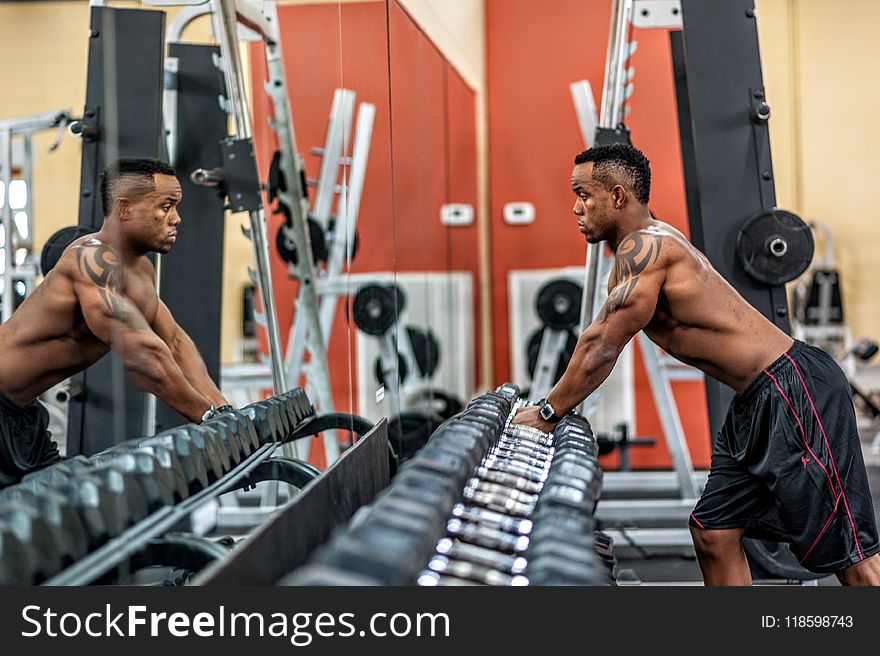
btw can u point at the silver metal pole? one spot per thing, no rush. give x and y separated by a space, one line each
225 10
295 199
609 117
8 250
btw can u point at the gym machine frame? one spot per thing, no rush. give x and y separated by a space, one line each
23 127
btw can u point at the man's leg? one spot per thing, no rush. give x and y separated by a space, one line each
721 556
866 572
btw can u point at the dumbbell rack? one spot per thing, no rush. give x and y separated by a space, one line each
89 520
485 502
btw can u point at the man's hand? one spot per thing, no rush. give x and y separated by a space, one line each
529 416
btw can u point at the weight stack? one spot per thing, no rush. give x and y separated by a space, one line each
485 502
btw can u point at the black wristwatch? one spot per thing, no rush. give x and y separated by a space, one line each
548 412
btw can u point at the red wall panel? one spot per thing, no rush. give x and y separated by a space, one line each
314 70
461 147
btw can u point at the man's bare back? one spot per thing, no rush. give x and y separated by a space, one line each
48 338
699 317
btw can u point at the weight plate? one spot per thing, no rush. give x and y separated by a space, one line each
376 308
331 226
402 371
56 244
287 249
776 559
426 350
775 246
559 304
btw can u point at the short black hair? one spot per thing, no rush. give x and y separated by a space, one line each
127 168
620 163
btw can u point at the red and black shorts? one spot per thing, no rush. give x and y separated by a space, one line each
787 465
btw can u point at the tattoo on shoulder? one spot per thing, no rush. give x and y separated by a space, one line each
100 264
633 256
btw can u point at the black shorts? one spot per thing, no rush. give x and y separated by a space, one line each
25 441
787 465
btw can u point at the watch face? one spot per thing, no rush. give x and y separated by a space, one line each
546 412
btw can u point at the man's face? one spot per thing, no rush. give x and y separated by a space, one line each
593 204
152 220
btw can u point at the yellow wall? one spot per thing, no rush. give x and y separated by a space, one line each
819 60
43 60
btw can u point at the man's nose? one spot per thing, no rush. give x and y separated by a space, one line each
578 208
175 218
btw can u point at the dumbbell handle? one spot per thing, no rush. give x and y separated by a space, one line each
497 520
512 480
531 447
476 572
455 550
484 536
500 503
478 485
519 456
529 473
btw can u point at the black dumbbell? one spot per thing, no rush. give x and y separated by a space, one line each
167 462
572 551
486 536
266 421
567 496
411 508
533 447
504 478
18 561
519 454
453 568
562 520
38 534
71 539
392 557
318 574
486 487
454 466
429 578
554 571
493 519
433 488
407 516
193 463
156 484
517 469
506 563
102 511
499 503
226 436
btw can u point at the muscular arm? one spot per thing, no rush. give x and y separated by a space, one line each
116 321
186 355
638 276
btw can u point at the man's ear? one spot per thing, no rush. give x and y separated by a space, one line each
618 196
122 207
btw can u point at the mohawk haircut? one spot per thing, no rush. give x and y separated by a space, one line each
620 164
139 170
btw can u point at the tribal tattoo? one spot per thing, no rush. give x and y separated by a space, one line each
102 266
633 255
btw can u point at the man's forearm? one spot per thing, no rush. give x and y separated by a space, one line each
153 368
193 367
588 368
